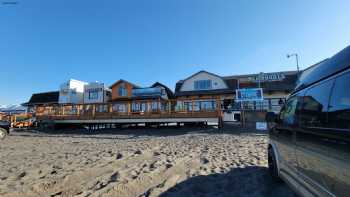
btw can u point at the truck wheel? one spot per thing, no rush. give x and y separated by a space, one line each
273 165
3 133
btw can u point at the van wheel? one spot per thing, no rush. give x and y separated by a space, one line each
272 162
3 133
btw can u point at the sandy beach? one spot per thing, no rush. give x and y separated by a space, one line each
137 162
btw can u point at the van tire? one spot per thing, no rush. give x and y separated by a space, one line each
3 133
272 162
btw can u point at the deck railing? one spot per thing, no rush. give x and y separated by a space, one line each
132 110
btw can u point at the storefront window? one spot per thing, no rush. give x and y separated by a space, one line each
119 108
154 106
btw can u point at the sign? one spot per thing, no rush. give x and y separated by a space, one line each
249 94
261 126
263 77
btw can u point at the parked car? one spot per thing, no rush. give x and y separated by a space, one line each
4 129
309 144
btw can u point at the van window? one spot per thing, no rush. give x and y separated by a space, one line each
287 115
339 108
315 105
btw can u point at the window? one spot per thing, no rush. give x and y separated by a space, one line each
339 108
138 107
196 106
119 107
202 84
102 108
208 105
122 91
315 105
188 105
93 94
288 112
154 106
135 107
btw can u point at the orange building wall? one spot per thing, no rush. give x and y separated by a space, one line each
115 92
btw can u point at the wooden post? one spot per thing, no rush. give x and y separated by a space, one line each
78 110
169 106
129 107
110 108
93 110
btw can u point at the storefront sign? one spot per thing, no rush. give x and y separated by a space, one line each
249 94
267 77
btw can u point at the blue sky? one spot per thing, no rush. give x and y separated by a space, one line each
44 43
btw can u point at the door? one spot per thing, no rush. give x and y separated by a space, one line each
338 173
312 140
284 136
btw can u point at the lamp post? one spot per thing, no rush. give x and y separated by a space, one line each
296 58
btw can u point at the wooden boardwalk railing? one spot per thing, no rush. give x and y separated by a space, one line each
113 110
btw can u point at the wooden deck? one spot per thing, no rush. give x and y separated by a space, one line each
91 113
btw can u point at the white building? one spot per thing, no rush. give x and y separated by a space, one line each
96 92
72 91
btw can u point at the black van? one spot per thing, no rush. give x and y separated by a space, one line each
309 144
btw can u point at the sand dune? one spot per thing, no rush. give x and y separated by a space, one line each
135 163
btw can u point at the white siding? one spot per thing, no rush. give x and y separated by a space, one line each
72 91
101 94
217 82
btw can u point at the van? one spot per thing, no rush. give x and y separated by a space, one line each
309 140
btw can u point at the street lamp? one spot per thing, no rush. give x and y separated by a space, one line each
296 58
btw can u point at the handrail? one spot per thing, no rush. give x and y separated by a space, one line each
124 109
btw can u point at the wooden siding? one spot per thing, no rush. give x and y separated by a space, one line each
115 90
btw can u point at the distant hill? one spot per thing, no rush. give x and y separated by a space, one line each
12 108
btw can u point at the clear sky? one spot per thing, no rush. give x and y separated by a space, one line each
44 43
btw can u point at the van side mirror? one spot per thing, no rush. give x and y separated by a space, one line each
271 117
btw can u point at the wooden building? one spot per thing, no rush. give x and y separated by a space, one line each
130 98
206 89
38 101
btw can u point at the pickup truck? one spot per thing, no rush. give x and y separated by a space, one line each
4 129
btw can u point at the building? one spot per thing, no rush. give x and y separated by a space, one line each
42 99
122 90
96 92
205 91
72 92
130 98
276 87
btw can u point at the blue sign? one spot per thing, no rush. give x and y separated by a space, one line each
249 94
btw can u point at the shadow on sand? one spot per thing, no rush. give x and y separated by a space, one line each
136 132
251 181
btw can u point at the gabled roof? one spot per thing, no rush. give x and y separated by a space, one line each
125 81
168 90
201 71
230 83
43 98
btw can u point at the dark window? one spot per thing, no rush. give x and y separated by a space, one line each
122 91
339 109
93 94
315 105
288 112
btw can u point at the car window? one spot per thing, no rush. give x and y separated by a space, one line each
315 105
287 115
339 109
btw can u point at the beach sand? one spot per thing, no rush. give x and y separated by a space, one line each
137 162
